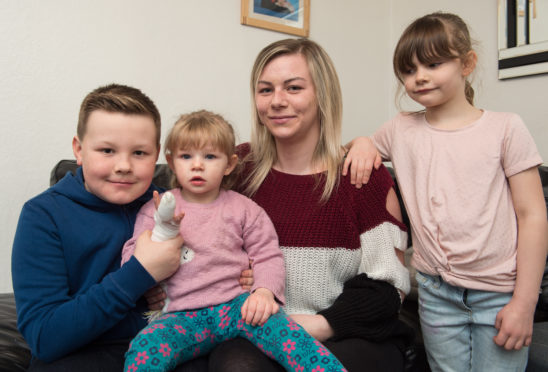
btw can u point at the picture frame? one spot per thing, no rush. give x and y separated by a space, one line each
522 38
287 16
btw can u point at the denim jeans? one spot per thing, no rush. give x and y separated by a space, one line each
458 328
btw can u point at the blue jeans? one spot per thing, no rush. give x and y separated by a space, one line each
458 328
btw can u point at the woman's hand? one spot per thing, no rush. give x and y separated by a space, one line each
361 157
155 297
246 278
316 325
259 306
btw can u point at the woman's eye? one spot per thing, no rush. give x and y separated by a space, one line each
264 90
294 88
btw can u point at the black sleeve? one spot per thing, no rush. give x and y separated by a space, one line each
366 309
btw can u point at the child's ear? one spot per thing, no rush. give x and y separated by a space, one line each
469 63
77 149
232 162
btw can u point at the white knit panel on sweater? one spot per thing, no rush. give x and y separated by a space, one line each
379 260
315 276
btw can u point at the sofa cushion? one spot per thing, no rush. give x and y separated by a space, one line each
14 351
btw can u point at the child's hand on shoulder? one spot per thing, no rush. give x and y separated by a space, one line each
259 306
515 325
360 159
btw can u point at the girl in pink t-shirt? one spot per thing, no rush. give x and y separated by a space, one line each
470 183
222 232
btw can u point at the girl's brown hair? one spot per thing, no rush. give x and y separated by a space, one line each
431 38
197 130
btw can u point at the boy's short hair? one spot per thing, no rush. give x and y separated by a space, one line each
118 98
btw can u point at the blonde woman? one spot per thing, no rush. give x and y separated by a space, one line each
343 246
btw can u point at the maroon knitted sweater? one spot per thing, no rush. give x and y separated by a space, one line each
343 245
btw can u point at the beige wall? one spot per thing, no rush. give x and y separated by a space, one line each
525 95
190 55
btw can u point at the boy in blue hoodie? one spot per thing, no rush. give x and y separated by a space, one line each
76 307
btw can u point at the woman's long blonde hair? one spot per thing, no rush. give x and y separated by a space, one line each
328 95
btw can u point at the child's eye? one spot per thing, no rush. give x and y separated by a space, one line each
434 64
408 71
107 151
185 156
140 153
211 156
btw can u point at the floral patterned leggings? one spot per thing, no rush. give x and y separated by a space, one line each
181 336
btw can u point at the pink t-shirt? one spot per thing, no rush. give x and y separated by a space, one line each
455 189
222 237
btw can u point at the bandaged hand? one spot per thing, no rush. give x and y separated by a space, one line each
166 223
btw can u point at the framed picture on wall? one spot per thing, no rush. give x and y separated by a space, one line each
287 16
523 38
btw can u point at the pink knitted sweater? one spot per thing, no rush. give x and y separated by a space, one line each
222 237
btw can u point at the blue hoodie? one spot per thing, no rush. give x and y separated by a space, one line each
69 287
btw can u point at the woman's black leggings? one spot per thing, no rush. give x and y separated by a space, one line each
355 354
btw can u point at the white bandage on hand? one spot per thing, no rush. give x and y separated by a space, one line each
165 227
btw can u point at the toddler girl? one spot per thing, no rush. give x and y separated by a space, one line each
222 230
